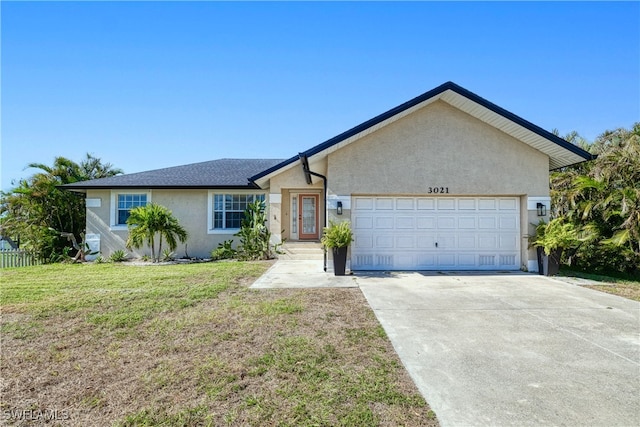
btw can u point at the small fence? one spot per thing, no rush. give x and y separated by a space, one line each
17 258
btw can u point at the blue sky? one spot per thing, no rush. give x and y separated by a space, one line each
155 84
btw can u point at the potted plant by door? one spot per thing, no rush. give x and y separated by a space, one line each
550 240
338 237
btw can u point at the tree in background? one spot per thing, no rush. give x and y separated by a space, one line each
36 211
147 222
602 199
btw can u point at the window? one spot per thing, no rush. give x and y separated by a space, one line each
228 209
126 202
294 214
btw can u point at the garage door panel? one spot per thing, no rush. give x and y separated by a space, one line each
384 222
425 242
485 261
487 222
363 203
363 242
363 260
426 222
384 204
508 241
426 261
446 222
446 204
487 241
507 204
466 260
508 223
446 241
405 242
486 204
363 223
507 261
405 222
467 204
426 204
467 223
428 233
384 241
467 242
404 261
405 204
446 260
384 260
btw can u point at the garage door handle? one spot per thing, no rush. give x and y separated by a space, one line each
436 244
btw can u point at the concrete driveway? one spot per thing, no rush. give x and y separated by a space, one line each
513 349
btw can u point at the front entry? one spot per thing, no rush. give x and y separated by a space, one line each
308 216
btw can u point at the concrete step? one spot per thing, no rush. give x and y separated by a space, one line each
301 251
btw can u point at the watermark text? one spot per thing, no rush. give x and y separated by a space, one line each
35 414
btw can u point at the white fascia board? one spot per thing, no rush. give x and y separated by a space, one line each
558 156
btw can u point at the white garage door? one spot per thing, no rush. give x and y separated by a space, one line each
435 233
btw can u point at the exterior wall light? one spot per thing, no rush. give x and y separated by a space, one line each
542 209
339 208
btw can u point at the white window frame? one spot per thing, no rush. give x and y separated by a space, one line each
113 211
210 199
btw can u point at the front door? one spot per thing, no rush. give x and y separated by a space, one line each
308 216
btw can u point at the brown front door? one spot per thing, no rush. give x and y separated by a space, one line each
308 216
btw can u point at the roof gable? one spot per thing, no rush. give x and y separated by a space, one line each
561 153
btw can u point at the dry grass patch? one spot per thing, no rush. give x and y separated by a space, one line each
627 287
192 345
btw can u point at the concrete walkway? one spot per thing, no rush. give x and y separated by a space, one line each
302 274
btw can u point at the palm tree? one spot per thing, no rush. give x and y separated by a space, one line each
145 222
36 206
602 199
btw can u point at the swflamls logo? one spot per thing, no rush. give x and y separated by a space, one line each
35 414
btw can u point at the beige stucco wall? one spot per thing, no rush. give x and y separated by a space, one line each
438 146
189 206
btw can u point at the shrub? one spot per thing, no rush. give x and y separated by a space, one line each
255 237
557 234
337 235
168 255
224 251
118 256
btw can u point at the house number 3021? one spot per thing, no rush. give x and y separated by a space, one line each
438 190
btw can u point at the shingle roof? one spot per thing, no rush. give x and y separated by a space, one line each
222 173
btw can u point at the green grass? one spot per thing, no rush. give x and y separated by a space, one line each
622 285
116 296
191 345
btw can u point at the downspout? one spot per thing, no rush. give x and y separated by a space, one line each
307 174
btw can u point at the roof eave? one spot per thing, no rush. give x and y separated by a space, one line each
249 186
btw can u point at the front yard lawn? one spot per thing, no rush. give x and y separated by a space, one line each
190 345
624 287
